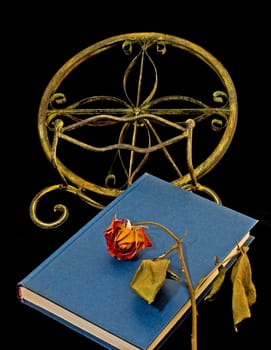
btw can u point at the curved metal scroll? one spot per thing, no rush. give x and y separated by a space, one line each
135 121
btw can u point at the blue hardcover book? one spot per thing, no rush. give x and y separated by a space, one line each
82 286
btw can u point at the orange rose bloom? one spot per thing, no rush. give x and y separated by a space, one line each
124 240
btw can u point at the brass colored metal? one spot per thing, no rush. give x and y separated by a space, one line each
130 117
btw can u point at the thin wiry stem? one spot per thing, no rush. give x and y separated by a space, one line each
185 271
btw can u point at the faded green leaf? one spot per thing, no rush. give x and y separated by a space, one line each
149 278
217 283
244 291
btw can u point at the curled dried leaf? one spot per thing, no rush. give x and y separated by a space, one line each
244 291
217 283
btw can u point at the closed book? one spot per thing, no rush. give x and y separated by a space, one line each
82 286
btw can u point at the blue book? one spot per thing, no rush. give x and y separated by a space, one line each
82 286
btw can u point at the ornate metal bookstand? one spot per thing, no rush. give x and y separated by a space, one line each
122 106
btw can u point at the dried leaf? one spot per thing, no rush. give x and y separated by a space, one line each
244 291
217 283
173 276
149 278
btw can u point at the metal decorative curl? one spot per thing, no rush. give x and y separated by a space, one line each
133 126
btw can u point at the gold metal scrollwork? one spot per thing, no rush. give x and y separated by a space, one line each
142 121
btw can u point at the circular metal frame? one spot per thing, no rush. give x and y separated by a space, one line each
106 44
49 119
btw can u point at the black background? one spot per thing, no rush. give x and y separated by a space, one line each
43 40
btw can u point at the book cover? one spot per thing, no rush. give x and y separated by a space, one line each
83 287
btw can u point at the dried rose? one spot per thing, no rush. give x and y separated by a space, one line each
124 240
